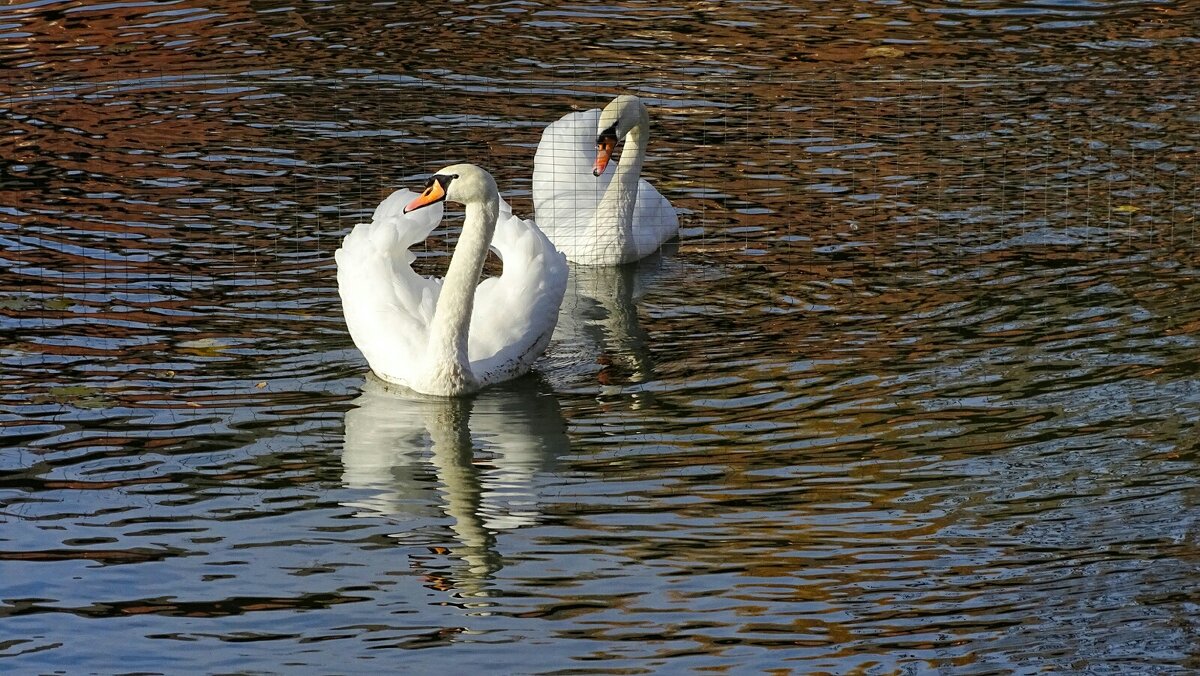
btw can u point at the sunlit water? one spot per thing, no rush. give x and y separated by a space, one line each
916 391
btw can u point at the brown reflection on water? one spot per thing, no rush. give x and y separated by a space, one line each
79 40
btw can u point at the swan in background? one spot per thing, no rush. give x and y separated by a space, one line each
486 453
594 216
450 337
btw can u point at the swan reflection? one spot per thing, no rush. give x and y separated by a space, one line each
598 322
485 451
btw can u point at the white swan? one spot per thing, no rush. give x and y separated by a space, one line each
599 217
449 337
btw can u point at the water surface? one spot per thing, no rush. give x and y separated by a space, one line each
916 391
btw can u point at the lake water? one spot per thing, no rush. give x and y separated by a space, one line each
917 391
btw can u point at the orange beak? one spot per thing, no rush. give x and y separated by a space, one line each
604 150
433 194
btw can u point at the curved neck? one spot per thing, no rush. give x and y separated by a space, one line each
634 154
615 211
452 314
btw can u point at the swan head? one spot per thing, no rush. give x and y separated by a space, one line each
462 183
619 117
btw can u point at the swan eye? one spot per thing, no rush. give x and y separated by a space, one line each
607 136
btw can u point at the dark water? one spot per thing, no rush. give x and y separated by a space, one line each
916 392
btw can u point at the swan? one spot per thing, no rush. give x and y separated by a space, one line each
594 216
450 337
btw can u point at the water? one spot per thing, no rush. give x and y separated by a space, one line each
916 391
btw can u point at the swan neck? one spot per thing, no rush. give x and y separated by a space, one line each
634 154
452 314
614 214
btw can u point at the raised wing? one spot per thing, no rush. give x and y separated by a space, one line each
514 314
387 305
565 193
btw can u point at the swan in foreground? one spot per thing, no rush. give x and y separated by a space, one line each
449 337
594 216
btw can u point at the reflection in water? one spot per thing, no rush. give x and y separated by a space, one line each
486 452
599 324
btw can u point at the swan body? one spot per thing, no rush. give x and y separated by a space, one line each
450 336
593 214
